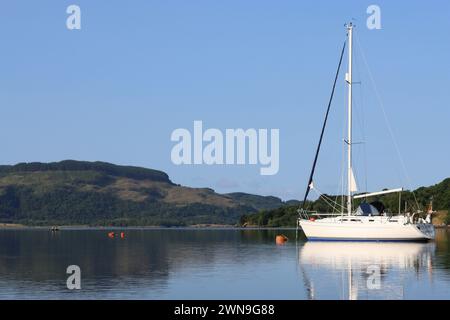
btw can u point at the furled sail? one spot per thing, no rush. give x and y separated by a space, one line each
353 185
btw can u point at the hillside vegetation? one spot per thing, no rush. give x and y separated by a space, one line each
99 193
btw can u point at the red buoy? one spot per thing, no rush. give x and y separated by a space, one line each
280 239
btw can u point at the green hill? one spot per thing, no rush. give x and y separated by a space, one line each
99 193
255 201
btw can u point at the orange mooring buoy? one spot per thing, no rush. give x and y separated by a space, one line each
122 235
111 234
281 239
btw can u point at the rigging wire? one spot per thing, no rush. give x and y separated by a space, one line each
329 201
381 104
332 203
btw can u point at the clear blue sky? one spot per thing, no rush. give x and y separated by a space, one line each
116 89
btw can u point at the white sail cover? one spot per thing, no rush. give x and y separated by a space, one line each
353 186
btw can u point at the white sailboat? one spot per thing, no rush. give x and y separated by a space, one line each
368 222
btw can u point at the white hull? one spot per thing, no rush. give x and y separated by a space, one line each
378 230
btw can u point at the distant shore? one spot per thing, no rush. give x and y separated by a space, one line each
6 226
11 225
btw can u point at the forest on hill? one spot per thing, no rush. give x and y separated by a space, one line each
104 194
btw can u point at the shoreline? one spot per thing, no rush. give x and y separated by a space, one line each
17 226
12 226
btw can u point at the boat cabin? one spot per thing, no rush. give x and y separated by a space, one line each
375 208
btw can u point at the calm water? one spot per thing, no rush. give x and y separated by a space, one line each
218 264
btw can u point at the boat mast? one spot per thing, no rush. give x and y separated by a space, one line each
349 137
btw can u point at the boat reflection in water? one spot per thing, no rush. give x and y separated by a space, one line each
363 270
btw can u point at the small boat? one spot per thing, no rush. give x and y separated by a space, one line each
370 221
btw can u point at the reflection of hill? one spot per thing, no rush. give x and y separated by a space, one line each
149 257
443 248
168 263
40 255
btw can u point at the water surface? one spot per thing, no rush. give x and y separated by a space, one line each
218 264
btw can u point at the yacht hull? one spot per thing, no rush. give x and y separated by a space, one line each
332 231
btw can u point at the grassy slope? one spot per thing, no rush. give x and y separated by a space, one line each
98 193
